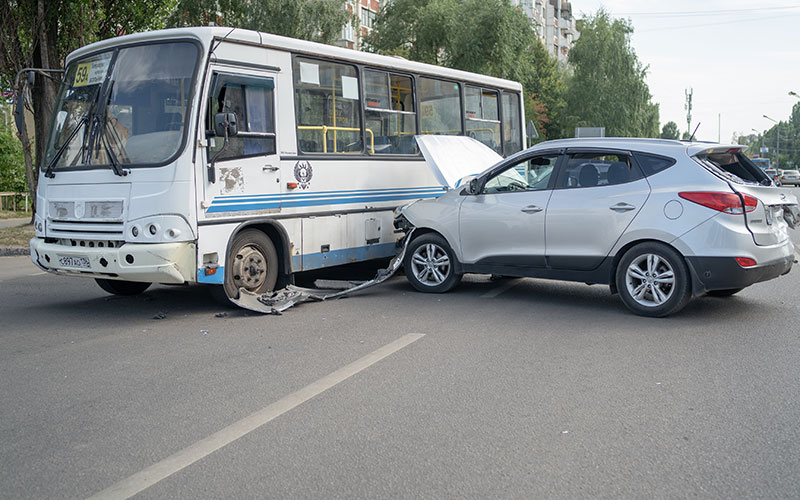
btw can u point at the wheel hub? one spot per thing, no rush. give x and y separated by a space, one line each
249 268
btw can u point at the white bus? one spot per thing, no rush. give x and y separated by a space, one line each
237 158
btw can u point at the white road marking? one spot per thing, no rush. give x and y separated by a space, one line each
191 454
500 289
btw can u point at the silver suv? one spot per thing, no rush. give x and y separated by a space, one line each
658 221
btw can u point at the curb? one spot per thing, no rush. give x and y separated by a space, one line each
14 251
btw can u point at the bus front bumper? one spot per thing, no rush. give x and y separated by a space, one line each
172 263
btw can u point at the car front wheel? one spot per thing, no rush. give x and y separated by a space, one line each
653 280
430 264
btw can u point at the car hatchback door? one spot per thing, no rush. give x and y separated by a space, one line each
503 225
596 196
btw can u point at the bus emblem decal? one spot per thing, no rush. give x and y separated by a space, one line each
303 173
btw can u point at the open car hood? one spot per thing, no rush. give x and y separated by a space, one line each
452 157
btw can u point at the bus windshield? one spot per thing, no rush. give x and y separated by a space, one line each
127 106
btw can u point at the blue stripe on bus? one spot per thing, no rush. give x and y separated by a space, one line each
278 197
311 261
332 193
285 203
215 278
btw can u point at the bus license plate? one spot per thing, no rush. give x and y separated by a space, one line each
74 262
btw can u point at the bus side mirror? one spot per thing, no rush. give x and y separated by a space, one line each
225 125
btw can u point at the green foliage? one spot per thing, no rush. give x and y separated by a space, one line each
670 131
608 87
316 20
12 164
790 141
491 37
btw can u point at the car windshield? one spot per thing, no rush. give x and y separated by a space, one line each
126 106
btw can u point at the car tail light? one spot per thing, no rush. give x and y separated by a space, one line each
724 202
745 261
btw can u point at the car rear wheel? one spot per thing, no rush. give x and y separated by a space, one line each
653 280
430 264
724 293
120 287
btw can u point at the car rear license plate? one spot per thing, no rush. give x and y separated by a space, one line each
74 262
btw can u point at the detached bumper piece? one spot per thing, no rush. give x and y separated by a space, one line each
280 300
154 263
724 273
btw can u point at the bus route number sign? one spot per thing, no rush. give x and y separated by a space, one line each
82 75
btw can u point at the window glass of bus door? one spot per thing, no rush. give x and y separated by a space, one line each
249 165
512 124
483 120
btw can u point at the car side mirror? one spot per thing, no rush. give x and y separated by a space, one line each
225 125
474 186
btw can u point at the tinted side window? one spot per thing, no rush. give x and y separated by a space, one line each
652 164
512 125
597 169
390 117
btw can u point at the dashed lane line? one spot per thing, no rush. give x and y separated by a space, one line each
191 454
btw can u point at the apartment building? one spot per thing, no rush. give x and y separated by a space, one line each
555 24
365 11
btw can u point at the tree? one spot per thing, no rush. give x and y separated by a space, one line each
670 131
12 166
608 87
40 33
316 20
491 37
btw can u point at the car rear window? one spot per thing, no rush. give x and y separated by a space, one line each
735 167
652 164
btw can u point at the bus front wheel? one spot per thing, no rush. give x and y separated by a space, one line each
252 264
120 287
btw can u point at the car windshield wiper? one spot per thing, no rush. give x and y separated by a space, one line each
48 172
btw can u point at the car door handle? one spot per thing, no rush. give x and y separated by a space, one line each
269 168
532 209
622 207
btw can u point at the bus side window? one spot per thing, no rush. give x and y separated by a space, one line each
391 120
483 120
327 107
439 107
251 98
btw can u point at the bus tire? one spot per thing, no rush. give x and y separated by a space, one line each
252 263
120 287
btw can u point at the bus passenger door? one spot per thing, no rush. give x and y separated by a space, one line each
245 178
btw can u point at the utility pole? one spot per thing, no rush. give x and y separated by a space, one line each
688 107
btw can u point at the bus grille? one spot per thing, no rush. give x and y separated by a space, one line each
86 230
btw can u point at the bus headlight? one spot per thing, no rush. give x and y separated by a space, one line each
38 226
159 229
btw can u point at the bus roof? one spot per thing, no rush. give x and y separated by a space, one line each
211 34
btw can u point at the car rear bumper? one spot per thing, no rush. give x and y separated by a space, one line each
724 273
172 263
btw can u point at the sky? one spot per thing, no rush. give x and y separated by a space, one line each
741 58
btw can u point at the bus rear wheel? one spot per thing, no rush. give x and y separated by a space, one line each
120 287
252 264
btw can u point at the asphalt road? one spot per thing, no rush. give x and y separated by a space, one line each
499 389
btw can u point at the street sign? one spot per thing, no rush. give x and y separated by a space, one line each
765 150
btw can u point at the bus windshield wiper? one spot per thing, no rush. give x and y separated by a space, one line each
48 172
112 157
